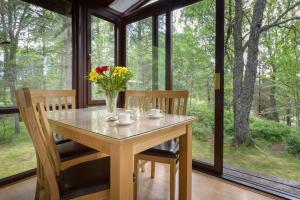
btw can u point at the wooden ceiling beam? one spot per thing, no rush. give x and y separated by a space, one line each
95 4
108 14
61 7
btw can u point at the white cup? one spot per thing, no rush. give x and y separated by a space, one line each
155 112
136 112
129 112
124 117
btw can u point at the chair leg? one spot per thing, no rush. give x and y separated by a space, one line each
172 179
136 173
38 190
152 169
39 182
143 166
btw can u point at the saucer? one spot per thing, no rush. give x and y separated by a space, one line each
124 123
112 118
155 117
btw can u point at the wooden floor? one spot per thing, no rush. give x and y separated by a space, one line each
204 187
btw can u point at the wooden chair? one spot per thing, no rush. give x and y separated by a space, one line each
70 153
173 102
88 180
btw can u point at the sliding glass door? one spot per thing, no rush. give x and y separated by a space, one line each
194 70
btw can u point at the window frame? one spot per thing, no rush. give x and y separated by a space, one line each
90 13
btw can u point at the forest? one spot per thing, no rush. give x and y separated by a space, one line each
262 73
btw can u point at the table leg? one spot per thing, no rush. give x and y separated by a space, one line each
185 165
121 172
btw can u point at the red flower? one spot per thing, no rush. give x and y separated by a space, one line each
104 68
101 69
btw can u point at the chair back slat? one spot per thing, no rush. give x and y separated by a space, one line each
32 111
59 103
66 103
73 104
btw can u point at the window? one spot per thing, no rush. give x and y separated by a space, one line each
193 70
139 54
16 150
102 48
36 52
146 54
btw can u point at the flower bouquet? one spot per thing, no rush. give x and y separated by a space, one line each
111 80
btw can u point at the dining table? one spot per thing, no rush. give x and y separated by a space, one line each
91 127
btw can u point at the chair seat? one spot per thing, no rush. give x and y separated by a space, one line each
168 149
70 150
85 178
58 139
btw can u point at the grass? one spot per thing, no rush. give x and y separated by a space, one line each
257 158
17 155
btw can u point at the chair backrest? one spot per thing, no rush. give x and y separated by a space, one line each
34 116
56 99
173 102
137 99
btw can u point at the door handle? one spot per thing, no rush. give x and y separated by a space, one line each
217 81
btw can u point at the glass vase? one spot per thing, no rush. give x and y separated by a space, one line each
111 102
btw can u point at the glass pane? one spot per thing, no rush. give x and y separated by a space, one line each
102 48
149 73
150 2
162 52
39 53
122 6
35 52
262 118
16 150
193 70
139 54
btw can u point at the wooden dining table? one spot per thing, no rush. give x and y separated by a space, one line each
90 127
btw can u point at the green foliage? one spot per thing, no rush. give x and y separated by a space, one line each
205 121
6 129
269 130
205 124
293 142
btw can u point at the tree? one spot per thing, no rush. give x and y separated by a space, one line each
13 16
246 53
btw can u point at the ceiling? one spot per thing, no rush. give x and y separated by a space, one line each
123 6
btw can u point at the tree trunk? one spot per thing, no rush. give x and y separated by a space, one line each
259 107
288 117
208 90
274 114
244 79
10 76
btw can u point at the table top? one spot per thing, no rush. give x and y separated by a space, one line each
94 119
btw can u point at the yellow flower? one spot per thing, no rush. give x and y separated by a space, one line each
93 75
120 70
